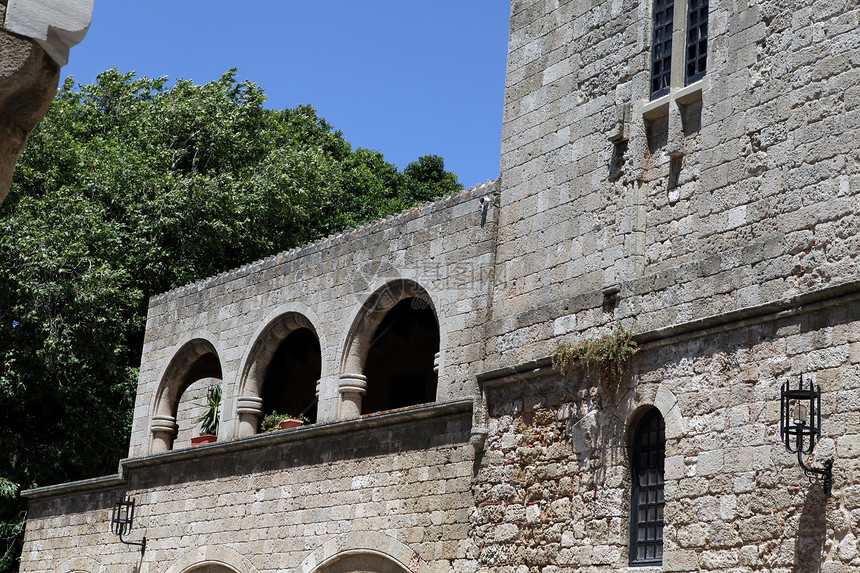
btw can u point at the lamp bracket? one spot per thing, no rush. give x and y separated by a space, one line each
122 520
141 544
813 473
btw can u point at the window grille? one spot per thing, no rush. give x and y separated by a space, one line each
697 40
661 49
646 515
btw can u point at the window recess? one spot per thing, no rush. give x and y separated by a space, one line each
647 503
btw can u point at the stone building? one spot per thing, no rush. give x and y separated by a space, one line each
690 170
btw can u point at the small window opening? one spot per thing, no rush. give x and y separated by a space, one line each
289 386
399 366
697 40
619 156
646 515
661 47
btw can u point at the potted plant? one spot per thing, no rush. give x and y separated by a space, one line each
275 421
209 420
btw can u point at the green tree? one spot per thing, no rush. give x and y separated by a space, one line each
128 188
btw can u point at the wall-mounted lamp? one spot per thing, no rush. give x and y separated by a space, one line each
121 521
800 426
485 202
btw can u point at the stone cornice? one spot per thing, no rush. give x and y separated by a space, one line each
813 301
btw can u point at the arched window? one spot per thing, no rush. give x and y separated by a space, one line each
281 374
392 355
289 386
191 372
400 360
646 508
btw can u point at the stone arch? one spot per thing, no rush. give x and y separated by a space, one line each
631 410
195 360
400 320
212 559
79 565
287 333
348 553
362 562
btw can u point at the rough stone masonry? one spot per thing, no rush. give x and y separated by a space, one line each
692 173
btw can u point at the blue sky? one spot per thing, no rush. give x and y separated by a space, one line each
406 77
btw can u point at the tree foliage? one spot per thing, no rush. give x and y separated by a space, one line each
131 187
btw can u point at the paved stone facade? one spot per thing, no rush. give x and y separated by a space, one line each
719 221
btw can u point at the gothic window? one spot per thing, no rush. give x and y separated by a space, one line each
646 508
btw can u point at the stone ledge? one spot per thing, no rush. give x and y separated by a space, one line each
82 486
367 422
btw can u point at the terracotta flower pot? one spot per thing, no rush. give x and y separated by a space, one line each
290 423
204 439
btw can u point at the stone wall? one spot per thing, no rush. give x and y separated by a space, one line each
741 192
286 501
553 491
719 221
446 248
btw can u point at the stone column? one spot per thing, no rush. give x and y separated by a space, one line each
250 410
352 387
163 431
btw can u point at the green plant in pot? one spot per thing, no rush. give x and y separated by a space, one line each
210 418
275 421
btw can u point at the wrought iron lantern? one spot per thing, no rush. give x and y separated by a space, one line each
121 521
800 427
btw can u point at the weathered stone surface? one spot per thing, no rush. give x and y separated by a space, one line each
28 82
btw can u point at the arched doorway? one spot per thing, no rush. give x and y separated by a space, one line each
362 563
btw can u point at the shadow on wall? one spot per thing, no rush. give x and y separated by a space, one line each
811 532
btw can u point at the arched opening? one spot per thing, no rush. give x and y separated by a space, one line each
281 374
647 457
393 345
212 568
362 563
290 381
401 357
204 374
181 397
